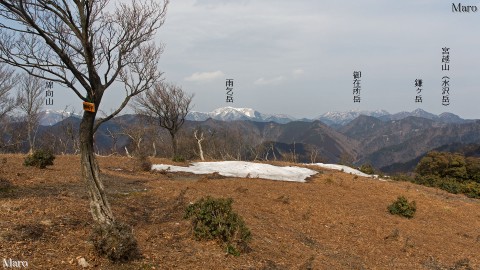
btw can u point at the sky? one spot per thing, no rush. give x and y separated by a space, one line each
298 57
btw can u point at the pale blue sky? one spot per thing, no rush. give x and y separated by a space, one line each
297 57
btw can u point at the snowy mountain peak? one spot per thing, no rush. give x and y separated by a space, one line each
343 118
232 114
231 110
335 118
51 117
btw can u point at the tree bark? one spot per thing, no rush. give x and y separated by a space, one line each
199 141
99 206
30 140
154 150
174 144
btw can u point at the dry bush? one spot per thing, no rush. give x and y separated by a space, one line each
116 242
142 163
5 185
214 218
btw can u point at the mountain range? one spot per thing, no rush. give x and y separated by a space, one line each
332 119
390 142
51 117
235 114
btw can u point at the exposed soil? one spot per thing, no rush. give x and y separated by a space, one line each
334 221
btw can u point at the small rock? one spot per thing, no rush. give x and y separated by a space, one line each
82 262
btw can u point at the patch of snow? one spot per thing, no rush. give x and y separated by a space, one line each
343 168
247 111
344 118
243 169
52 117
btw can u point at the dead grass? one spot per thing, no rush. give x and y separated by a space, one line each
332 222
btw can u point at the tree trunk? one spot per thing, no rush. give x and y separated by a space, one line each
200 150
199 141
154 149
30 140
99 206
174 144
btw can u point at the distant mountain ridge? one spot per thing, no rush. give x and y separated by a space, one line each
390 142
52 117
343 118
332 119
445 117
235 114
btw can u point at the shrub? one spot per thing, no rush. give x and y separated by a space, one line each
402 207
442 164
473 168
116 242
450 185
142 163
5 185
471 189
214 219
402 177
29 232
451 172
367 168
178 158
40 159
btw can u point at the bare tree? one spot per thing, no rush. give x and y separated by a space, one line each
68 136
272 148
85 46
114 137
30 100
199 142
313 154
8 80
136 132
167 104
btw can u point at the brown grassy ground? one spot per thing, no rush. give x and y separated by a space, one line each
335 221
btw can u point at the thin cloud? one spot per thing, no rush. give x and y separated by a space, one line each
297 72
273 81
214 3
203 77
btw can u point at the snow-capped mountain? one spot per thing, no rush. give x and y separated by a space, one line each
232 114
51 117
335 119
343 118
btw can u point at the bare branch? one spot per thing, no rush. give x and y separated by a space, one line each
166 103
30 99
81 42
73 42
8 80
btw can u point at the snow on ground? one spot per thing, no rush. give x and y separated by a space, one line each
343 168
243 169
